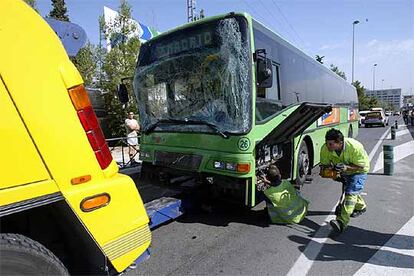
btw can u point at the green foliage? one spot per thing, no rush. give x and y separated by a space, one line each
31 3
86 61
365 103
337 71
200 16
59 10
117 64
319 59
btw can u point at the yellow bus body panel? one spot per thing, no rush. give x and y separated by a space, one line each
37 72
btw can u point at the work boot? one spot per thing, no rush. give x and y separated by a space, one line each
336 225
338 210
357 213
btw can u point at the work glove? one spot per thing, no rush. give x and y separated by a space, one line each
340 167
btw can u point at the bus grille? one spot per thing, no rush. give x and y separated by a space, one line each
178 160
127 242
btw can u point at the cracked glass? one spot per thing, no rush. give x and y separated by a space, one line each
196 79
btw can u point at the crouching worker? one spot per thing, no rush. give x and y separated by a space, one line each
284 204
348 157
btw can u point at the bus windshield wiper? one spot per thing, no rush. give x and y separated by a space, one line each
185 122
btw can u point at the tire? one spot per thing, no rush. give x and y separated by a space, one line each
23 256
303 167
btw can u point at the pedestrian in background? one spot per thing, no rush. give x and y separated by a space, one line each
132 128
412 117
405 116
349 157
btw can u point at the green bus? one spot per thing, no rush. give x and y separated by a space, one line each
222 98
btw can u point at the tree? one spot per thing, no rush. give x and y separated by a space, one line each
365 103
86 61
200 16
31 3
362 99
59 10
319 59
117 64
337 71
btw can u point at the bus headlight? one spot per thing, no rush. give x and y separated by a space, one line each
219 165
231 166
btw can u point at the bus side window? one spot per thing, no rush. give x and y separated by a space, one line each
268 99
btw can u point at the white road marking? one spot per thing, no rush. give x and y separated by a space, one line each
382 261
305 261
400 152
374 150
399 133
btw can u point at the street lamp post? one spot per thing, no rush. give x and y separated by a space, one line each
353 47
382 85
373 76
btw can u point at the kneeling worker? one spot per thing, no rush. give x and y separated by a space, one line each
349 157
284 205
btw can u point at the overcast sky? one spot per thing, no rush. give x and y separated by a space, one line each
385 35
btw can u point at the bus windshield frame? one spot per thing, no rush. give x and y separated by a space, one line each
199 74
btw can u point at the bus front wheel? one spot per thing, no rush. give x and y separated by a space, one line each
303 165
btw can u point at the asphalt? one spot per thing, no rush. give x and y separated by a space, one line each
230 241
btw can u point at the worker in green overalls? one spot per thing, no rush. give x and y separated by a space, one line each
349 157
284 204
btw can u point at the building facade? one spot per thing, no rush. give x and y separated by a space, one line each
408 101
391 96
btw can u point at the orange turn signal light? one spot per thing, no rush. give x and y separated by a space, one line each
243 168
80 179
95 202
79 97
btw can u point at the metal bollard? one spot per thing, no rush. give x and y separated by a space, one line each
388 151
392 133
396 124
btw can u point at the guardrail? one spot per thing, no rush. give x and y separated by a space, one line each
120 151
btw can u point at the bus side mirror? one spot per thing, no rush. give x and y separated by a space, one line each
123 93
264 73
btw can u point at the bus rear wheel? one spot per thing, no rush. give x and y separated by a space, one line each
303 167
23 256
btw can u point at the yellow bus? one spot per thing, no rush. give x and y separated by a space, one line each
64 208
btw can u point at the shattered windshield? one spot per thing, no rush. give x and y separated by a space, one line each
196 80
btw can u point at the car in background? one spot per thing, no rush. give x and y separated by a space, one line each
361 119
376 117
388 113
397 113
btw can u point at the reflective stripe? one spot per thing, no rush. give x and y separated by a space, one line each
291 206
274 215
284 215
350 202
296 212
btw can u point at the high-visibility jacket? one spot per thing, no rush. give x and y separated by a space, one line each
286 205
352 153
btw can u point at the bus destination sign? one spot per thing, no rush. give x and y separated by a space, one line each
188 43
